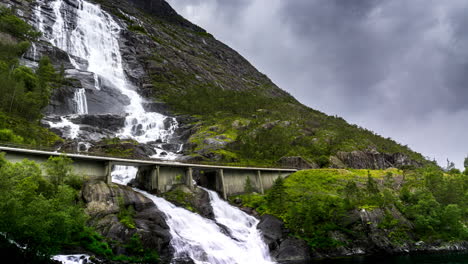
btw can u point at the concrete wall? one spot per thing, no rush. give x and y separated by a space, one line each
89 168
168 176
269 177
234 180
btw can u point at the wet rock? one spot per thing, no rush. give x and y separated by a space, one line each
157 107
102 204
272 229
293 250
110 122
201 203
171 147
283 248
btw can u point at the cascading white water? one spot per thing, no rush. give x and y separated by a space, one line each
72 259
241 226
95 39
201 239
81 102
204 241
71 130
123 174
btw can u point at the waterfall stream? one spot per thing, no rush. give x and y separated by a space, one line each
202 239
92 44
90 36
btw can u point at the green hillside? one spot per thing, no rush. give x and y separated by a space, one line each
327 207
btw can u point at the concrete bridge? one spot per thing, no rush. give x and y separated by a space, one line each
163 175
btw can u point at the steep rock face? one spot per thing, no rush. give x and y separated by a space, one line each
102 204
169 47
371 160
283 248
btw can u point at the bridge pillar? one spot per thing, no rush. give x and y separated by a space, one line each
108 172
155 178
223 185
189 178
260 181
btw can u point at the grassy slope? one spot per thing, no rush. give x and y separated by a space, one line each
315 203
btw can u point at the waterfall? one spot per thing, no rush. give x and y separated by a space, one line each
123 174
94 38
72 259
81 102
203 240
242 227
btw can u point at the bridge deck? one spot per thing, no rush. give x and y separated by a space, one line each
137 163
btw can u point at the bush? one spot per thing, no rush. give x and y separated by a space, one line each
8 136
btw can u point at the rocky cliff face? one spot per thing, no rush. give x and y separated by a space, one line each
371 160
103 204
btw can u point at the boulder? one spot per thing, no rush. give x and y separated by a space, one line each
272 229
107 121
283 248
293 250
102 204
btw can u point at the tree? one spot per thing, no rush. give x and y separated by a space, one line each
276 197
58 169
450 166
248 188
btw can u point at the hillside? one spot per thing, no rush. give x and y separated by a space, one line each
134 79
344 212
227 110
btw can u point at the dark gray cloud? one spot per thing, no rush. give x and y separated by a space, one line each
397 67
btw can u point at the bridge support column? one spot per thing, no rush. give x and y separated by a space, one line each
260 181
155 178
108 172
223 185
189 177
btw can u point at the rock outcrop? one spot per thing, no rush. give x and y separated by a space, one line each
371 160
364 237
103 205
283 248
297 163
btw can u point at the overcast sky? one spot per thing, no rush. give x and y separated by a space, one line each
397 67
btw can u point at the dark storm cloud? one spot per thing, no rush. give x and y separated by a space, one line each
398 67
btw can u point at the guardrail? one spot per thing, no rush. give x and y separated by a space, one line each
106 155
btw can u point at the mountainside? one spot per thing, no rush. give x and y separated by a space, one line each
226 110
134 79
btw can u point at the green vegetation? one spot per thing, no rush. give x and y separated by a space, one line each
276 126
44 212
24 92
126 214
38 211
314 203
180 198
